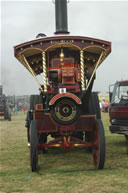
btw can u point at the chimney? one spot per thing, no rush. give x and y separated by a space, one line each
61 17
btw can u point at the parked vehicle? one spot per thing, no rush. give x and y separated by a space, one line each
118 110
66 107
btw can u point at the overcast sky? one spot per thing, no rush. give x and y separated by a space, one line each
21 21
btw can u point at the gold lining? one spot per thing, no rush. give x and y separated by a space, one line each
58 45
94 46
28 50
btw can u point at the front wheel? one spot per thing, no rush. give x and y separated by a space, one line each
98 149
33 146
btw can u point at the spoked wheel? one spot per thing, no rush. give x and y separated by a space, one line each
33 146
98 149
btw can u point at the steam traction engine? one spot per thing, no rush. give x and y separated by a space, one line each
66 108
4 106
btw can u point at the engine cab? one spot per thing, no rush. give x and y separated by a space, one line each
64 70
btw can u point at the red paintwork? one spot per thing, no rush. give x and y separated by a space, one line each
118 112
83 123
64 142
68 75
39 107
45 123
61 95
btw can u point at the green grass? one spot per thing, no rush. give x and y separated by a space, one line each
60 171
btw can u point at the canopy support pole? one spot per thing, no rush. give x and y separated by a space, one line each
33 73
82 70
45 71
98 62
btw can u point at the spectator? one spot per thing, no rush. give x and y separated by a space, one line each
15 110
106 106
103 105
24 109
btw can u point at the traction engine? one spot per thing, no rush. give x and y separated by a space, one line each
66 108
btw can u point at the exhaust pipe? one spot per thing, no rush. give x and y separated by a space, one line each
61 17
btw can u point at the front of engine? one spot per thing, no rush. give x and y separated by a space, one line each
63 72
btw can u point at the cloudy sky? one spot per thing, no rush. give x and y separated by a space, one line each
21 21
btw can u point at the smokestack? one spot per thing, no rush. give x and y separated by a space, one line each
1 90
61 17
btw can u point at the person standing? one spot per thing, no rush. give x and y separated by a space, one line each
24 109
15 110
106 106
103 105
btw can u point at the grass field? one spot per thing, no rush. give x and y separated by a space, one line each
60 171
